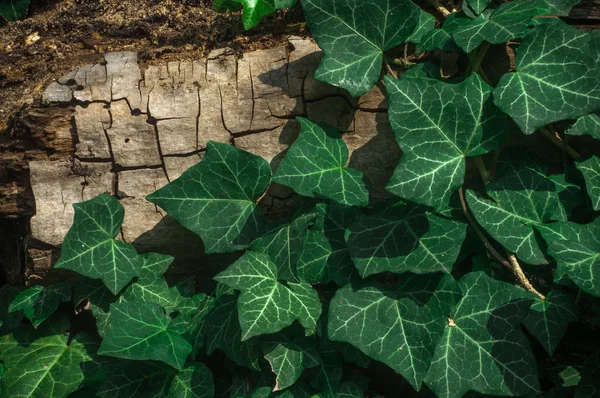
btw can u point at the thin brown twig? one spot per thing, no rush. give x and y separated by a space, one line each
556 140
516 269
435 3
389 69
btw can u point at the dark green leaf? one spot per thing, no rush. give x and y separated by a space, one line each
480 340
216 198
437 125
561 8
589 386
353 46
314 167
405 238
9 320
442 38
195 381
590 169
141 331
265 305
586 125
38 303
227 5
556 78
14 10
90 250
137 379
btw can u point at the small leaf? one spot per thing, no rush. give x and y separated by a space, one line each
353 47
580 262
195 381
509 21
216 197
154 264
9 320
265 305
41 362
425 24
227 5
478 5
223 332
442 38
255 10
590 169
586 125
38 303
556 78
314 167
405 238
561 8
141 331
390 327
89 248
13 10
437 126
548 319
477 349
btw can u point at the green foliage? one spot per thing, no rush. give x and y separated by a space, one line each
14 10
480 275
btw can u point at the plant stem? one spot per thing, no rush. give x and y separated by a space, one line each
476 63
440 8
390 70
485 176
555 139
516 269
518 272
578 297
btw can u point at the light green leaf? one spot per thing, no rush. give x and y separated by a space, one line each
265 305
556 78
479 342
523 199
255 10
283 244
13 10
405 238
217 197
38 303
223 332
509 21
314 167
144 379
325 257
89 248
586 125
195 381
141 331
390 327
561 8
590 169
548 319
442 38
437 125
353 46
40 363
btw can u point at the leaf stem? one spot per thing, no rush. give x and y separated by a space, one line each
390 70
556 140
478 58
516 269
485 176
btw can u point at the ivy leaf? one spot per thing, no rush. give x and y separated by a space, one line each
590 169
141 331
314 166
89 248
13 10
284 245
195 381
255 10
589 386
324 256
442 38
265 305
145 379
561 8
437 125
223 332
41 361
390 327
405 238
289 353
425 24
478 5
353 47
38 303
556 78
586 125
548 319
216 197
523 199
227 5
509 21
9 320
478 346
154 264
99 298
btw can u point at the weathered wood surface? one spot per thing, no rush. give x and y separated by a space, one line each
118 128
